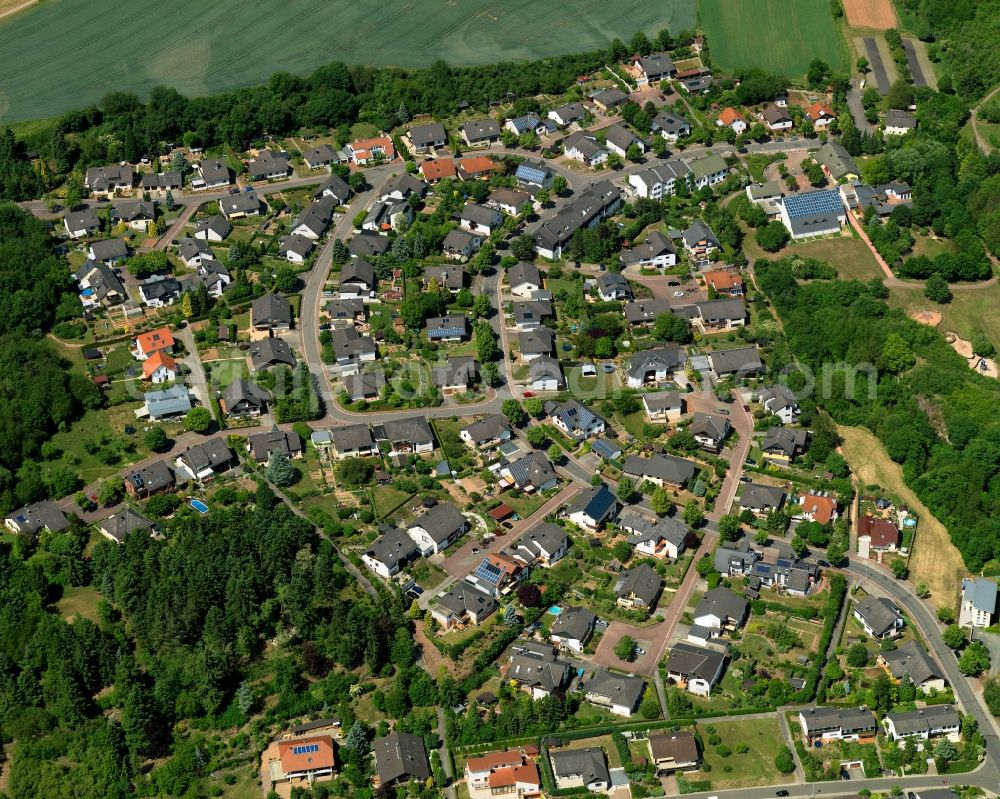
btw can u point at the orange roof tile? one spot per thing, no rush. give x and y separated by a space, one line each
155 361
438 169
159 339
820 508
477 164
495 760
298 754
723 281
818 111
508 776
730 115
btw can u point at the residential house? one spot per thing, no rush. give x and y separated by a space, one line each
314 220
608 99
655 367
357 279
612 286
813 213
399 758
574 419
160 181
212 174
587 209
244 399
157 292
295 248
673 751
269 352
462 604
781 445
923 723
447 276
498 574
510 201
386 216
656 538
661 180
780 401
725 283
700 242
821 115
460 245
490 431
364 385
731 118
262 446
568 114
99 285
671 126
543 545
638 588
530 314
583 147
336 188
305 759
512 772
661 470
537 669
401 187
767 196
739 362
709 430
545 374
618 139
652 68
899 123
391 551
428 137
581 768
836 162
347 312
979 602
736 560
447 328
644 313
476 167
410 435
80 224
480 219
592 507
818 507
536 343
878 534
457 375
366 244
618 693
879 616
321 155
656 251
377 148
32 519
271 313
480 132
529 123
776 118
707 170
606 449
205 460
159 368
573 628
663 407
532 472
524 279
761 499
721 610
353 441
795 578
124 523
168 403
837 724
103 181
149 480
137 214
696 669
721 314
884 198
240 205
193 251
910 660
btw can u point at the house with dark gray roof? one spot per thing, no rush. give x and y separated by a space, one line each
537 669
663 407
480 132
335 187
271 312
364 385
262 446
545 374
462 604
524 279
313 221
170 402
567 114
979 602
581 768
357 278
587 209
365 244
461 244
609 98
448 276
618 139
215 228
269 166
656 366
592 507
399 757
242 398
536 343
353 441
880 617
573 628
480 219
652 537
782 445
99 285
761 498
108 251
149 480
458 374
639 588
654 67
295 248
346 311
656 251
83 223
412 434
544 545
740 362
575 419
584 147
206 460
489 431
837 724
530 314
160 181
214 173
352 350
428 137
437 529
660 469
644 313
661 180
124 523
618 693
721 610
270 352
836 162
780 401
613 286
31 519
390 552
320 155
911 661
447 328
709 430
104 180
671 126
700 242
697 669
531 472
157 292
923 723
899 123
240 205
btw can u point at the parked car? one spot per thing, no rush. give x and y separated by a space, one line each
722 411
678 293
781 793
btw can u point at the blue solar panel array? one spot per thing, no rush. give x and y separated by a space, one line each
488 572
305 749
813 203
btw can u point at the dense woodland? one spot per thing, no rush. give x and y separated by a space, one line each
935 416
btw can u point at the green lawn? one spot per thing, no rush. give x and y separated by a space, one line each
524 505
776 35
756 767
386 499
847 254
58 59
79 601
968 309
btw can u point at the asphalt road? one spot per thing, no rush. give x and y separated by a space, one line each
878 68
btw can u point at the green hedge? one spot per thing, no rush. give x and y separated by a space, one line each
814 688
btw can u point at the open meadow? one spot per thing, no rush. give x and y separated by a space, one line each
777 35
56 55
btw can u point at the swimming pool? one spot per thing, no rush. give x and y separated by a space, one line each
555 610
199 506
908 522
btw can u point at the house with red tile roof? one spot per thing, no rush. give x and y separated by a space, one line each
438 169
818 509
303 759
821 115
727 284
153 341
159 368
731 118
881 533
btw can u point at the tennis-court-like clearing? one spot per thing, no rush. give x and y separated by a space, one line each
781 36
64 54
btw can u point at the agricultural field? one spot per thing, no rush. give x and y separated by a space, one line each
744 34
58 56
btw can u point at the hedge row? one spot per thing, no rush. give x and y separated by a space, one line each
831 615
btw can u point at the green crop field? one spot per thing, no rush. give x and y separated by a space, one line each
777 35
64 54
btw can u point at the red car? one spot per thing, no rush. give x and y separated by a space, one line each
529 393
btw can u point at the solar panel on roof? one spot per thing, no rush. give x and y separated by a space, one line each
489 572
813 203
305 749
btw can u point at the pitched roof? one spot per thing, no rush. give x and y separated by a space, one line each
697 232
730 115
155 361
413 429
894 118
655 244
281 442
680 746
271 309
637 311
617 689
594 501
428 134
785 440
109 249
545 537
126 521
878 612
366 384
713 427
758 495
488 428
981 592
695 661
670 122
32 518
723 603
669 468
741 360
481 215
152 478
836 159
540 341
820 508
911 659
545 368
459 370
169 401
463 597
575 623
211 453
398 756
242 391
352 437
451 276
348 343
533 469
641 581
481 129
589 763
924 719
722 280
336 187
883 532
524 272
153 340
368 243
358 270
573 414
306 754
270 351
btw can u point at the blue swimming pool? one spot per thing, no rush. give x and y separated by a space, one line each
555 610
199 506
908 522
